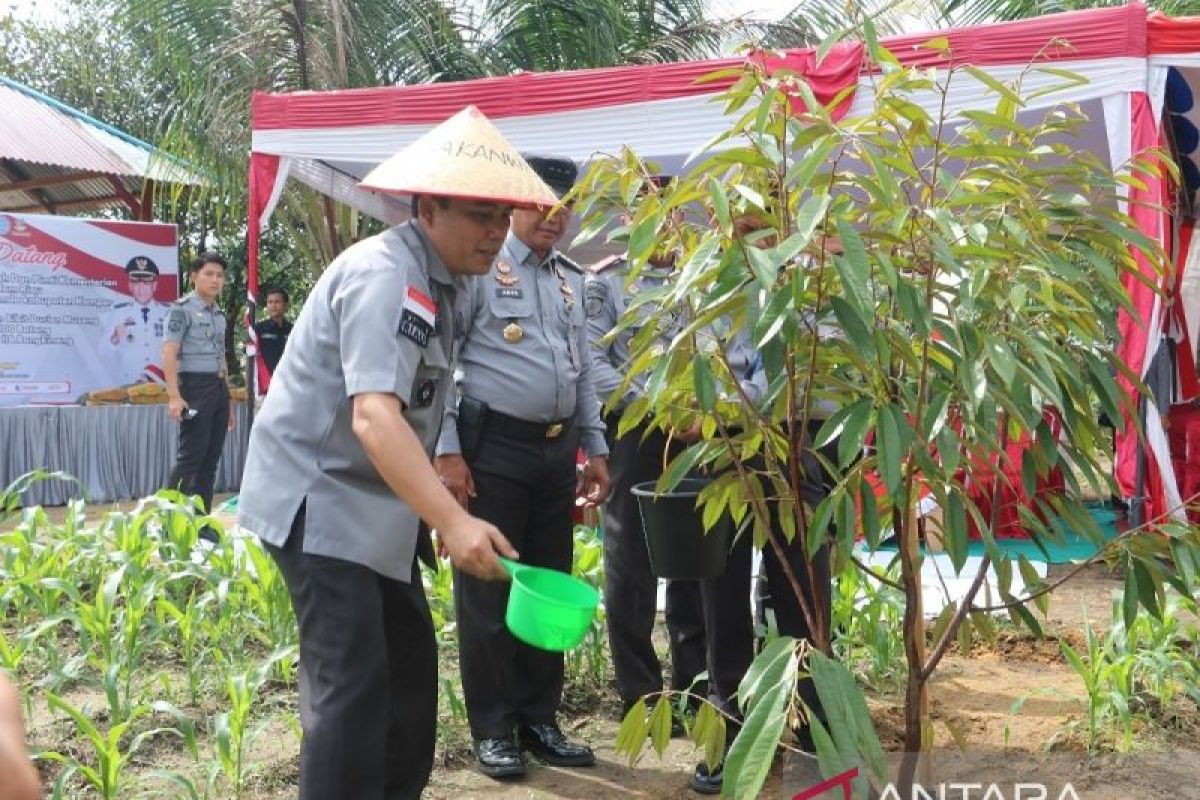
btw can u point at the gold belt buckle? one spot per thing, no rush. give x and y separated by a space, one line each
554 430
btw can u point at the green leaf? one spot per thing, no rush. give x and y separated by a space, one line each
753 751
764 267
808 218
854 432
955 522
1023 614
660 725
720 204
1147 588
679 467
854 268
631 736
709 732
765 669
705 385
1129 601
855 327
849 718
890 451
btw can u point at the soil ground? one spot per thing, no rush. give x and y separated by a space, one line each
1012 706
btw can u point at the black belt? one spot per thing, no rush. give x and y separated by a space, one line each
524 428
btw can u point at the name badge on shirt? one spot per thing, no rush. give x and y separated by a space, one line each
510 292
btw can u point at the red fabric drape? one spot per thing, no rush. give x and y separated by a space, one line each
1173 34
838 70
1137 341
264 170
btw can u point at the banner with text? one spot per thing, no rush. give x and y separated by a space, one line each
82 305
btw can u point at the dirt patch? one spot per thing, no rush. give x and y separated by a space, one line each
1013 705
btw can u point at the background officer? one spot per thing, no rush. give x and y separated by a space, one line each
273 331
527 405
193 354
630 588
338 476
133 329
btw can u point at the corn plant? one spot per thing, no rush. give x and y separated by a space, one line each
589 662
270 603
867 625
1107 679
232 728
439 590
112 753
186 636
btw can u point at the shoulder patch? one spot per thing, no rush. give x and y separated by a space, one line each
596 293
607 264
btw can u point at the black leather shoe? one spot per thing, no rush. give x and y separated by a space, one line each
548 743
499 757
706 782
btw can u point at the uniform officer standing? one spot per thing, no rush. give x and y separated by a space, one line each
728 617
193 354
630 588
273 332
338 477
527 405
133 330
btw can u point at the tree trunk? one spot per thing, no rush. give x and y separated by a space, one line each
916 695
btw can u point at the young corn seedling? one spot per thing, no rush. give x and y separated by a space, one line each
107 773
187 638
232 727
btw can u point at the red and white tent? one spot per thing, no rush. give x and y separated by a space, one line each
329 140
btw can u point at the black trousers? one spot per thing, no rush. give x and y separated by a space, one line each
368 677
202 437
728 615
631 589
525 486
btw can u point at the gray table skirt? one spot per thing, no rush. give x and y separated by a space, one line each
116 452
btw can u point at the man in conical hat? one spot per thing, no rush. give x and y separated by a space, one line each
338 482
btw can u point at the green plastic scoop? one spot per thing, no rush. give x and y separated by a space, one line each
547 608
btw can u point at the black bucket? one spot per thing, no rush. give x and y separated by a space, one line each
675 536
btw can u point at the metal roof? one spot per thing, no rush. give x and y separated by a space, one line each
54 158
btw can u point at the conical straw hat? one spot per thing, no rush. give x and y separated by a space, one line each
466 157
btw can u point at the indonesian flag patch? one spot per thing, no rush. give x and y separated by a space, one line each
417 316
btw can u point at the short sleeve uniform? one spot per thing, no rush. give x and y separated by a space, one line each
378 320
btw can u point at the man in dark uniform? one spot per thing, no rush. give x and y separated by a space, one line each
630 588
273 331
193 354
728 617
508 452
338 477
133 330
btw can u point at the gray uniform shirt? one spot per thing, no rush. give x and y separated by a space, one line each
545 376
607 300
200 330
378 320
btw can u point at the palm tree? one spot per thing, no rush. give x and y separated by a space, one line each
217 52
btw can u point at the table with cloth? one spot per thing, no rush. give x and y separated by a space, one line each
117 452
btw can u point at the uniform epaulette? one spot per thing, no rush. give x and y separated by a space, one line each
122 305
569 264
607 263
